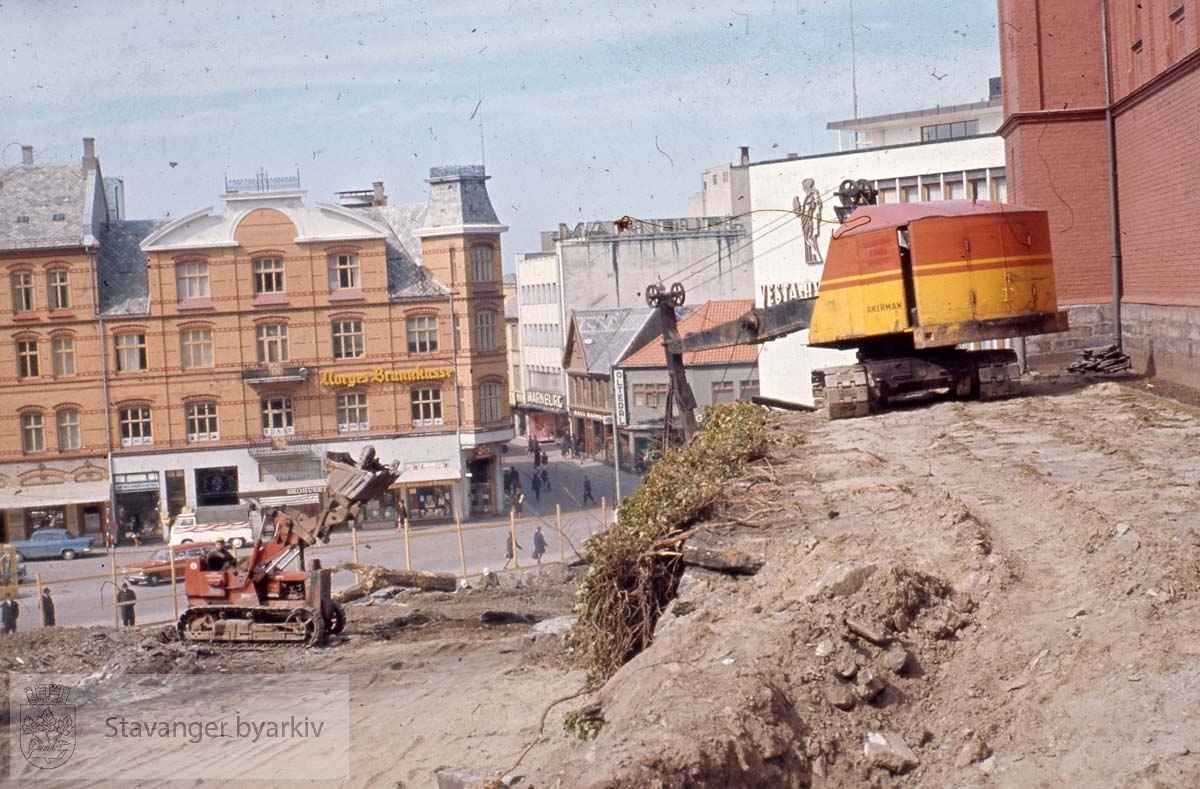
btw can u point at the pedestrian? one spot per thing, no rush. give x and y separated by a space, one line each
47 608
537 485
401 516
509 554
518 502
110 533
539 545
587 492
135 530
546 478
126 599
9 611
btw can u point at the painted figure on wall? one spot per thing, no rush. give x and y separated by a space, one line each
809 210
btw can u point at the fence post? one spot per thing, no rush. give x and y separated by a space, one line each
603 515
116 606
462 552
354 541
512 535
562 548
174 578
407 548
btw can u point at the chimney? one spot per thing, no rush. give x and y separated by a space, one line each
26 154
745 149
89 153
380 198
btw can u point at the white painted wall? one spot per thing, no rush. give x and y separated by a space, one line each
786 364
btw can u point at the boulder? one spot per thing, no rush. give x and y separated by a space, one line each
888 750
840 580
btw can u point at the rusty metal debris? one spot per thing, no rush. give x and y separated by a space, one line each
1108 359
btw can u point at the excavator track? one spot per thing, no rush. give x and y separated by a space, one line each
253 626
858 389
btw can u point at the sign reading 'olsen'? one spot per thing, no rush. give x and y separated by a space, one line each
382 375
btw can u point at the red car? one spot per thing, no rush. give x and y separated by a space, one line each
157 569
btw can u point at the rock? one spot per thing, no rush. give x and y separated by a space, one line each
824 648
846 668
1121 528
840 580
506 618
973 750
462 779
841 697
988 765
888 750
895 659
556 625
869 685
1128 542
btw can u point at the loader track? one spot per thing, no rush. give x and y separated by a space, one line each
251 626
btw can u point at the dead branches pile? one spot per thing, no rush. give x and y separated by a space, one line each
632 578
1108 359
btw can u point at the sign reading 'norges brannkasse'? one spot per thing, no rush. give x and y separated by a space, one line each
382 375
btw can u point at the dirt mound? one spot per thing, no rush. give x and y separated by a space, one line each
978 594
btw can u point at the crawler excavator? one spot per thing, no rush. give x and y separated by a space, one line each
266 600
909 285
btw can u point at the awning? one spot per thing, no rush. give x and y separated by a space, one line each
273 493
54 495
415 475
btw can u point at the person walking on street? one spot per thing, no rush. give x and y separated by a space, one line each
47 608
126 599
587 492
546 478
401 516
508 549
110 534
9 611
518 502
537 485
539 545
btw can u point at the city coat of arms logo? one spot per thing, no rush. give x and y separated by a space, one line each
47 725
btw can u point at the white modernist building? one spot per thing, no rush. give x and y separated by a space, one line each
944 154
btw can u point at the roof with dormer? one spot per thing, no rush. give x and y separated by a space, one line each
458 202
707 315
46 206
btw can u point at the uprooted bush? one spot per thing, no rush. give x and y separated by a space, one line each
635 566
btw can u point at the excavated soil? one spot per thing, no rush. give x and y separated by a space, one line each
999 594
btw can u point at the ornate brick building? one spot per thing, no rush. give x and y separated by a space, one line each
213 360
1102 102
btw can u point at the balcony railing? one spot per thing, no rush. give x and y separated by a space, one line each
275 373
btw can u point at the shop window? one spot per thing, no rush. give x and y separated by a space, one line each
195 348
352 412
62 353
422 334
201 422
216 487
272 342
426 407
58 289
33 432
348 339
131 352
68 430
429 501
27 359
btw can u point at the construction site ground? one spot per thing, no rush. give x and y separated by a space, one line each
953 594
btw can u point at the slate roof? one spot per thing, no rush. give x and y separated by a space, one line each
121 266
706 316
406 278
39 191
606 336
458 196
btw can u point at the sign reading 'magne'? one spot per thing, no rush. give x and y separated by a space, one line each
382 375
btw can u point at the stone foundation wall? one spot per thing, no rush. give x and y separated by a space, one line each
1160 341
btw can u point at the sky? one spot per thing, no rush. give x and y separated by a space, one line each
579 111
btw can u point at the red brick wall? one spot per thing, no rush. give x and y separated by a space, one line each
1158 161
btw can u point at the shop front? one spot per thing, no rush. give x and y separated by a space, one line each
545 415
78 507
483 471
428 490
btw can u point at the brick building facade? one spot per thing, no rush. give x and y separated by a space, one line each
1079 74
212 361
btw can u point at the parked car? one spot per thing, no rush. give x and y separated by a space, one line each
52 544
157 569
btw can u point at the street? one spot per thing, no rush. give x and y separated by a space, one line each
84 594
